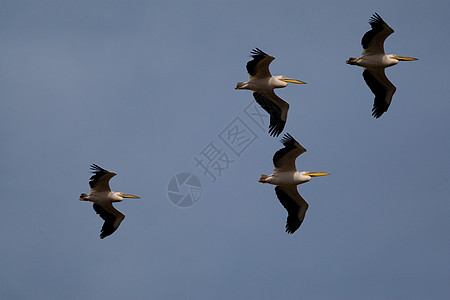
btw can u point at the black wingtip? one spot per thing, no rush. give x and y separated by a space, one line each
290 230
375 18
276 129
292 224
257 51
287 139
376 113
97 168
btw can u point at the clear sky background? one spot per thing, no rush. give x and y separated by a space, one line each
141 88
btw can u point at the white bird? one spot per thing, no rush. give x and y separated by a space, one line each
374 61
103 197
262 83
286 178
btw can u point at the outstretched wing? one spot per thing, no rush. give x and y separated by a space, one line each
373 40
111 216
382 88
99 182
259 66
277 109
295 205
284 159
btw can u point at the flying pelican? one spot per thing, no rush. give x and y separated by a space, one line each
262 83
374 61
286 178
103 197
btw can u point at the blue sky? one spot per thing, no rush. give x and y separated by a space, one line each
141 88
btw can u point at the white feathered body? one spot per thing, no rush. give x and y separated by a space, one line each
286 178
262 83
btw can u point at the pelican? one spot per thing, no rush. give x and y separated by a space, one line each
262 83
103 198
374 61
286 178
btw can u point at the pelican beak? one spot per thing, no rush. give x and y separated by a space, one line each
404 58
317 174
293 80
130 196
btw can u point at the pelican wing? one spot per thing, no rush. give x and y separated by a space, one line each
284 159
111 216
99 182
259 66
382 88
373 40
276 107
295 205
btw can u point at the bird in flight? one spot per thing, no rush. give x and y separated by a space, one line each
262 83
286 178
103 198
374 61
